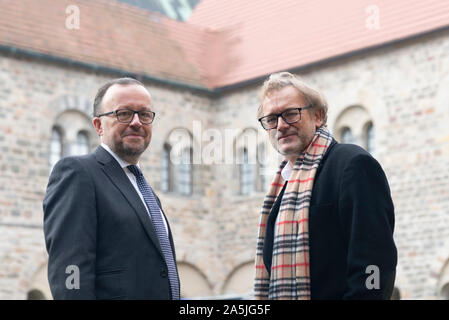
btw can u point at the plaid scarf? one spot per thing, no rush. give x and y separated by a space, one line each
290 274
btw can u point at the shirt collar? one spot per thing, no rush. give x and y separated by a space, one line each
121 162
287 171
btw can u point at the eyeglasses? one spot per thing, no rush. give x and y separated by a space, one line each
126 115
290 116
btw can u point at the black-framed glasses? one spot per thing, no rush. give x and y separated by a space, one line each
290 116
126 115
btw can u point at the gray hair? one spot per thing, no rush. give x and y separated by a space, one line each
277 81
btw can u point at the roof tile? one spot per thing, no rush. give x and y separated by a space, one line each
223 43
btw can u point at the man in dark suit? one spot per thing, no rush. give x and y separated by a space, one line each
326 228
106 234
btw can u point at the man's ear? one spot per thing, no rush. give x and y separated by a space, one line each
98 126
318 116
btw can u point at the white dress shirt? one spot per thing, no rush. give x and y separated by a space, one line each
132 178
287 171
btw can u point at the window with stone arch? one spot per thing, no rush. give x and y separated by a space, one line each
262 166
81 144
247 174
56 146
177 163
355 125
71 135
167 174
185 172
369 138
249 162
346 136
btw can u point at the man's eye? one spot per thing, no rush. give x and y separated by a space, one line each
125 113
290 114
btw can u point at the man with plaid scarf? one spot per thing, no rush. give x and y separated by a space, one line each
326 225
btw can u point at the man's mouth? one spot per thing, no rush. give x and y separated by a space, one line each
285 136
134 135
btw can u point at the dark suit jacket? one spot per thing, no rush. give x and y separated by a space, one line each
94 219
351 222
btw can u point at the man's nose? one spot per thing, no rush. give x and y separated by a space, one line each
282 125
135 121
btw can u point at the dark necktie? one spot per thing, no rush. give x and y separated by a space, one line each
156 218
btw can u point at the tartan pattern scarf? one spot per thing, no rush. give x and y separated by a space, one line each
290 274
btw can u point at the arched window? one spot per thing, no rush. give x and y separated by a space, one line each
55 147
246 173
81 144
354 125
177 162
346 136
185 172
167 175
262 175
369 137
74 139
245 146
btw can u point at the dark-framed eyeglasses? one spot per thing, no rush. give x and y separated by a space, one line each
290 116
126 115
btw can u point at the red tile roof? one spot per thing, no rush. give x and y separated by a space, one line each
111 34
273 35
223 43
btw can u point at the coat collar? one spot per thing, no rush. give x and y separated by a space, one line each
326 155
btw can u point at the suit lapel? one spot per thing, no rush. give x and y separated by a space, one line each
118 177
